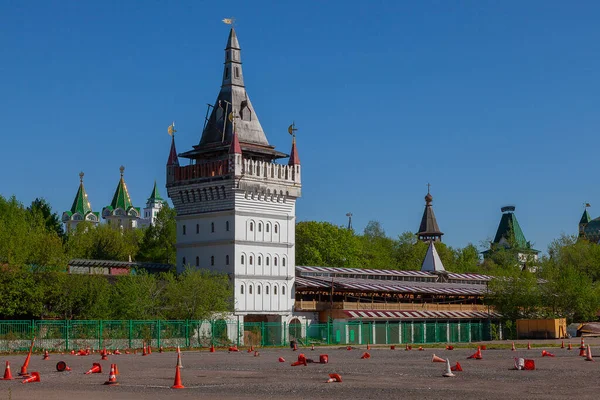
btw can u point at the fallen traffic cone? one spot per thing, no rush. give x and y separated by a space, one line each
435 358
177 384
562 345
421 348
588 356
365 356
112 376
483 347
46 355
281 359
528 346
349 348
513 347
7 374
160 349
96 369
334 378
62 366
477 355
547 354
117 352
35 377
457 367
127 352
104 355
323 359
449 347
212 348
233 348
72 352
448 373
569 347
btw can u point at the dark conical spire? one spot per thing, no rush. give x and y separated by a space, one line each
294 158
155 196
232 104
173 160
429 229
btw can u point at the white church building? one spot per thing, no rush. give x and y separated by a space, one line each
236 205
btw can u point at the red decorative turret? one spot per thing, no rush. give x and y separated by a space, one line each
235 145
294 159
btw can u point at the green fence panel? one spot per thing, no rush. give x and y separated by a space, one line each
382 330
115 334
84 335
430 332
143 332
441 329
476 331
454 332
317 333
15 335
406 333
465 328
273 334
419 332
172 333
366 333
51 335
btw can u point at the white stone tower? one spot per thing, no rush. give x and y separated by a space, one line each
236 207
153 205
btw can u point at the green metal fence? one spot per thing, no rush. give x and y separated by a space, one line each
73 335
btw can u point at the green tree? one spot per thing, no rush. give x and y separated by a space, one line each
409 252
197 294
103 242
158 242
516 294
377 248
140 296
327 245
51 220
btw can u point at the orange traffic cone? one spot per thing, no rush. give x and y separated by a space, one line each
212 348
281 359
149 349
62 366
407 348
144 351
179 365
569 347
116 369
104 355
117 352
25 365
483 347
562 345
365 356
112 376
421 348
334 378
7 374
295 347
35 377
46 355
547 354
96 369
457 367
127 352
435 358
588 356
528 346
582 346
368 346
177 384
477 355
72 352
449 347
513 347
582 353
349 348
301 360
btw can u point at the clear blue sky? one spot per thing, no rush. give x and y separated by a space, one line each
493 103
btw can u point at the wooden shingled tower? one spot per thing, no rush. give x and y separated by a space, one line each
429 231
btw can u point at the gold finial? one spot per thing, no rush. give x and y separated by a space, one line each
122 169
171 129
229 21
292 131
81 177
232 117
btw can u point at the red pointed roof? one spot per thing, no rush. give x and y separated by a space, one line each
235 147
294 158
173 160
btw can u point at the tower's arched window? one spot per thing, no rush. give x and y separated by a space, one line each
275 290
266 290
258 289
226 72
237 72
184 229
283 262
275 261
227 260
267 261
259 260
242 289
276 228
243 259
251 226
227 226
267 228
250 289
183 261
283 290
197 229
259 227
250 260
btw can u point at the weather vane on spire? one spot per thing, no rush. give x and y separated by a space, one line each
229 21
428 187
292 129
171 129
